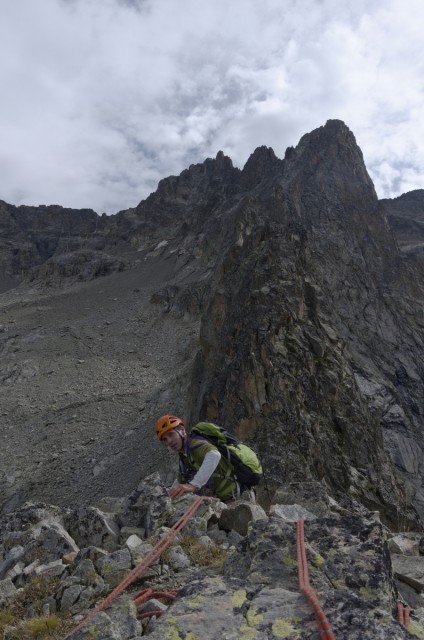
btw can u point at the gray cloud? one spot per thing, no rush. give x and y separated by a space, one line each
103 98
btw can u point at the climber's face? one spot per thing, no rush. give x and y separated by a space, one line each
174 439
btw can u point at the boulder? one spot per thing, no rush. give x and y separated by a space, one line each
291 512
148 507
409 569
7 591
114 567
91 527
406 544
239 516
51 569
10 558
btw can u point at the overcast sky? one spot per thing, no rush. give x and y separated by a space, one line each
100 99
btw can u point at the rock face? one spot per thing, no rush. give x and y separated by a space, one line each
406 218
273 300
31 236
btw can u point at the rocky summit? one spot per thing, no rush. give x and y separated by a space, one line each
283 301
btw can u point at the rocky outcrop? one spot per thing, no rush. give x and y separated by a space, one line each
301 341
212 582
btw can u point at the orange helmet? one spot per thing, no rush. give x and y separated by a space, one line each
166 423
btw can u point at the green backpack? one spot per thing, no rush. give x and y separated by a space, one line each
247 468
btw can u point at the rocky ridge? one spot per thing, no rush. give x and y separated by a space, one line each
231 573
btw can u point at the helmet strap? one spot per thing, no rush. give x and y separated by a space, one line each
182 433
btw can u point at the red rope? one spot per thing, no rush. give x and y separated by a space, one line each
147 561
406 612
150 614
324 627
403 614
147 594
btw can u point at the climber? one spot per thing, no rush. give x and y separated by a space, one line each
202 468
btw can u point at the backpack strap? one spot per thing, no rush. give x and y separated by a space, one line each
222 448
186 462
191 447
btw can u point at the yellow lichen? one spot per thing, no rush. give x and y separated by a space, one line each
247 633
367 592
338 584
172 633
196 602
283 628
289 561
238 598
318 560
253 617
258 578
416 629
92 631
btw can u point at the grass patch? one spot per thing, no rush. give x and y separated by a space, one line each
16 624
6 618
35 628
33 596
53 627
201 554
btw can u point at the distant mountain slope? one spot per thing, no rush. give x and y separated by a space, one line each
406 218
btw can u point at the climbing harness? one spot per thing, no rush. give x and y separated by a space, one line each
403 614
147 561
324 627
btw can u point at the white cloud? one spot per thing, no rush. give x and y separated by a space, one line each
103 98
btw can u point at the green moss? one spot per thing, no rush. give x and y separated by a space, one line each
289 561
